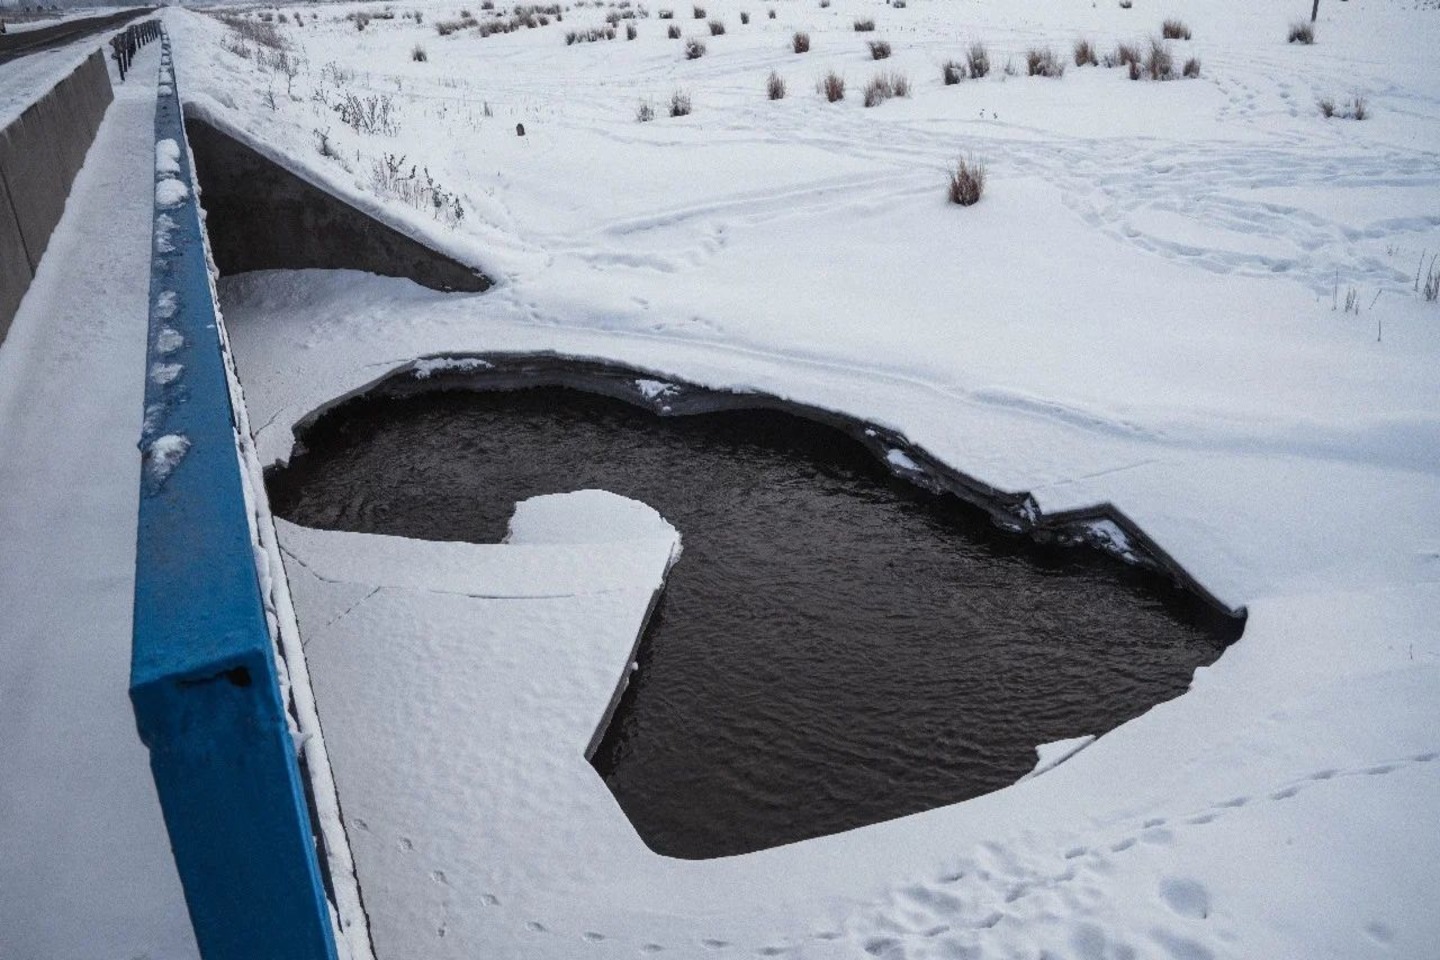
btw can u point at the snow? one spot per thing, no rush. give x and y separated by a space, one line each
427 367
167 156
163 455
901 461
1138 312
1051 755
170 192
85 865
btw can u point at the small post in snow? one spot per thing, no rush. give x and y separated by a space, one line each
1315 11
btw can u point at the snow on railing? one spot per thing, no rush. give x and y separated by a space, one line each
218 682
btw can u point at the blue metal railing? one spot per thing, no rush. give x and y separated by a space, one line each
204 680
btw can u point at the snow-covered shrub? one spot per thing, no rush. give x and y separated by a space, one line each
679 104
418 54
865 26
744 18
666 14
772 13
832 85
1301 32
1043 63
631 32
1356 109
1126 4
1192 68
1159 62
977 59
694 49
952 72
717 28
800 42
673 31
1126 54
645 112
967 182
879 49
878 90
1173 29
1085 53
775 86
699 12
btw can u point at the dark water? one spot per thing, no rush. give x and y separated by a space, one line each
835 648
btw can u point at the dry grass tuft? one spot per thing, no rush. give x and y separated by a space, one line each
1043 63
952 72
418 54
717 28
832 85
967 182
865 26
679 104
673 31
1173 29
1085 53
1192 68
879 49
800 42
1301 32
1159 62
977 59
694 49
775 86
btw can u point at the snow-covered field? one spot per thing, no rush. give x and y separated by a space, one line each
1148 306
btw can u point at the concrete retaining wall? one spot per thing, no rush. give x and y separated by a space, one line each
261 216
40 154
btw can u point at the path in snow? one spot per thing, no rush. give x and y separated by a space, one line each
85 865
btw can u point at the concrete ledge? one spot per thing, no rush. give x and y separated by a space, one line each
262 216
40 154
204 680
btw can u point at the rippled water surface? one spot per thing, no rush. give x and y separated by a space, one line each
835 648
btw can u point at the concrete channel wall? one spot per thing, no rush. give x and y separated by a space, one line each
40 154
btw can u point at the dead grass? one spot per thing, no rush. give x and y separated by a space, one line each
679 104
879 50
1159 61
865 26
775 86
694 49
952 72
1301 32
1085 53
967 182
977 59
832 85
800 42
1043 63
1173 29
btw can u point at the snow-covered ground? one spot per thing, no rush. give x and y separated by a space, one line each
26 79
1147 308
85 865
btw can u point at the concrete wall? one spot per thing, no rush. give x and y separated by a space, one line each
40 154
261 216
